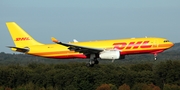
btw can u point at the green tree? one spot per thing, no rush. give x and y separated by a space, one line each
141 67
171 87
167 73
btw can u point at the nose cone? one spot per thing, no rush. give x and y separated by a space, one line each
171 44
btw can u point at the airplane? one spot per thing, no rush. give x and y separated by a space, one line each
93 50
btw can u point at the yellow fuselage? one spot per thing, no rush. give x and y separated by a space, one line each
126 47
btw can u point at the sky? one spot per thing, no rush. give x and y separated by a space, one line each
87 20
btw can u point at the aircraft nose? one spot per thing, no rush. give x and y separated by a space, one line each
171 44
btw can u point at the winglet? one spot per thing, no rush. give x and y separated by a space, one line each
54 40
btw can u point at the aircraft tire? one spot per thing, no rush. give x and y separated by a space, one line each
89 65
96 62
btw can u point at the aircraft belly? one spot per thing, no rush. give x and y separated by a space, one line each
60 54
139 51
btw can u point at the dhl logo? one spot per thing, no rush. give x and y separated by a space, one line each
22 39
132 45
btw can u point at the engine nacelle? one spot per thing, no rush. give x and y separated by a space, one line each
110 54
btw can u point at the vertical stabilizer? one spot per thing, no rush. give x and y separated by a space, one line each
19 36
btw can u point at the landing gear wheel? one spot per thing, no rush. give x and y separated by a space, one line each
96 62
89 65
93 60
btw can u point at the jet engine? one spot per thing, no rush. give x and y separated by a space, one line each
110 54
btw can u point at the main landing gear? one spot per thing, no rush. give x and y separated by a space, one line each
93 60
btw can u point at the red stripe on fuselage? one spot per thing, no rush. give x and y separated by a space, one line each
69 56
122 53
140 52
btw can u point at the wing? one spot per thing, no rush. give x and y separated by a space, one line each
77 48
24 50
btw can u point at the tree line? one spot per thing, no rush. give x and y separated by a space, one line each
76 76
23 59
136 72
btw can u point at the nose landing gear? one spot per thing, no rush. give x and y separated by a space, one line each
155 56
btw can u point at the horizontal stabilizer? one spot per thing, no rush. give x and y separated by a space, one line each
24 50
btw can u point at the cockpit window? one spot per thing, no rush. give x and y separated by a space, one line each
166 40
